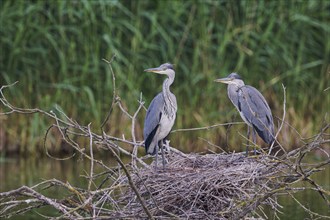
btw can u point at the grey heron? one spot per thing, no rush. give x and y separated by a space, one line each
252 107
161 114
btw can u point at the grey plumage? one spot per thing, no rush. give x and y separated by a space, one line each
161 113
251 105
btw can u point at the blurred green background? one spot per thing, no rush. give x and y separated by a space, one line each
55 50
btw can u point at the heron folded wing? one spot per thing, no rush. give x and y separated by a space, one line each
152 120
153 115
151 149
257 112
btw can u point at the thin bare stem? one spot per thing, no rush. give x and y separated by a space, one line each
92 157
114 96
206 128
281 126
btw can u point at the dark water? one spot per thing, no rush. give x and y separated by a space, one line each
16 172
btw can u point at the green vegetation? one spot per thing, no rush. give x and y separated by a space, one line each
55 50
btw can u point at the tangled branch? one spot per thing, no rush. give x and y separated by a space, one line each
194 186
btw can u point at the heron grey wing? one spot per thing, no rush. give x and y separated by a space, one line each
257 112
153 116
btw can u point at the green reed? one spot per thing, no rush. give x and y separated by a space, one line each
55 50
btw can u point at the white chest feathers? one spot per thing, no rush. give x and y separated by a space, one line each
165 126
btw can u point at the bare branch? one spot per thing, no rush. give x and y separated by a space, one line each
114 96
280 128
206 128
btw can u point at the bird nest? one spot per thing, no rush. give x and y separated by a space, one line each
215 186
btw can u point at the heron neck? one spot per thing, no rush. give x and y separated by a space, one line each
236 87
166 85
166 91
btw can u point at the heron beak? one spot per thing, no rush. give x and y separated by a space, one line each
153 70
224 80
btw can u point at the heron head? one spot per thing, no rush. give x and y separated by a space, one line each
232 78
165 68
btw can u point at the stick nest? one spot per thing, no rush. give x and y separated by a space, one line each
216 186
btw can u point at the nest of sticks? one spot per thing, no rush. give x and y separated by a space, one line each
213 186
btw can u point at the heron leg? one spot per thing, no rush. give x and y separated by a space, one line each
163 157
254 139
248 141
156 156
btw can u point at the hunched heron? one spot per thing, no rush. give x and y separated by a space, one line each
161 114
252 107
